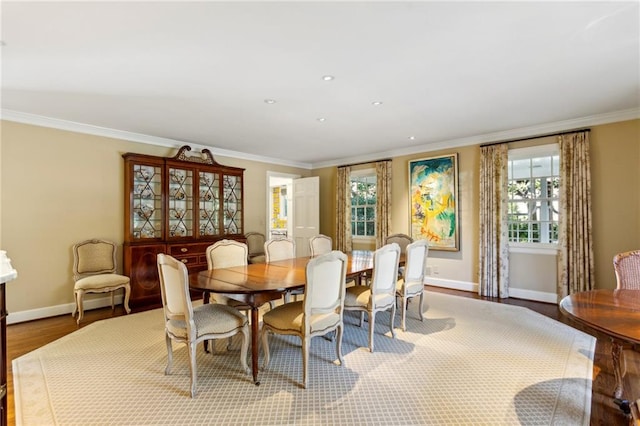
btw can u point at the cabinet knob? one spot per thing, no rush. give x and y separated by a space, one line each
185 260
184 249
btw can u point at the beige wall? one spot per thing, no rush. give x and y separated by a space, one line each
59 187
615 187
615 153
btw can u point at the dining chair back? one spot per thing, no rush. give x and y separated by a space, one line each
319 313
627 269
191 325
412 283
255 243
320 244
403 240
380 295
226 254
94 271
279 249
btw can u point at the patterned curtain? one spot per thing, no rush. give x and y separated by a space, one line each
383 201
575 267
343 205
493 273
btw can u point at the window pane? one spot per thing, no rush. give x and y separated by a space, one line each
520 169
371 228
541 166
371 213
360 213
360 228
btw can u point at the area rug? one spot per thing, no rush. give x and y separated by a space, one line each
470 362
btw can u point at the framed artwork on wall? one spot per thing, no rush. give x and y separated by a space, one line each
433 198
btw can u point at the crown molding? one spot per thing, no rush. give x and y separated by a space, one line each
72 126
512 134
524 132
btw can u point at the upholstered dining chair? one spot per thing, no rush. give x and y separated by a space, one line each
319 313
280 249
255 242
320 244
380 295
403 240
227 254
412 283
191 325
627 269
94 271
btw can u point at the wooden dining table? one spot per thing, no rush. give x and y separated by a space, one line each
614 312
258 283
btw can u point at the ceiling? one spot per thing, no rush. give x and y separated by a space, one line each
447 73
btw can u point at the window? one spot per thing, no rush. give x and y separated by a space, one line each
363 203
533 190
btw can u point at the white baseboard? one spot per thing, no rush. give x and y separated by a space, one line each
518 293
453 284
67 308
538 296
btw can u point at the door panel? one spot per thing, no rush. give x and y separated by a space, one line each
306 216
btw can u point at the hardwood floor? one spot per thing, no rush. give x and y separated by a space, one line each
25 337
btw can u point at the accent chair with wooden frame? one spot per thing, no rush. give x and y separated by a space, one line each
94 271
627 269
381 294
192 325
319 313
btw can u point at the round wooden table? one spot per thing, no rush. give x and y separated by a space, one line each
613 312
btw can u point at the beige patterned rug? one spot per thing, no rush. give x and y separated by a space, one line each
470 362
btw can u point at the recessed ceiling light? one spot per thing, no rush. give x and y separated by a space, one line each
376 103
321 119
327 77
269 101
412 138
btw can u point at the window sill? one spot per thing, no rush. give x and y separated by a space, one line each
534 248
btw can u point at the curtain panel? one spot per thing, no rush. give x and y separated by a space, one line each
493 270
575 267
383 201
343 206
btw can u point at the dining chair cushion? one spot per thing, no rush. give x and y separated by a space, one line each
412 287
288 317
359 296
94 282
210 318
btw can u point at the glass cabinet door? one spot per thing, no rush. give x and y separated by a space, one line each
147 202
232 206
180 205
209 203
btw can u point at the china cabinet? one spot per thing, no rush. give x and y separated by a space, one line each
177 205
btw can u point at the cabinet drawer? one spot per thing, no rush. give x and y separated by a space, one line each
176 250
188 260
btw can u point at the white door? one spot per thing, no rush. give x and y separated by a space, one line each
306 212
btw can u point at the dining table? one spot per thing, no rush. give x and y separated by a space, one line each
258 283
614 312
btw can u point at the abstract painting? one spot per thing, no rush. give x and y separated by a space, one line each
433 195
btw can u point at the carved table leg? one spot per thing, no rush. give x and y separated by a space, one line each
616 354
